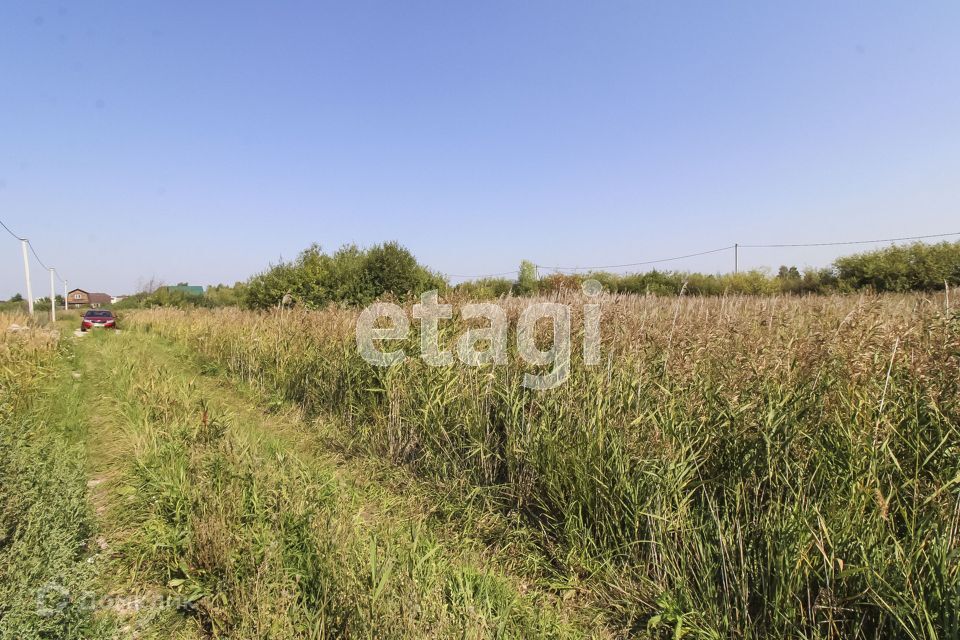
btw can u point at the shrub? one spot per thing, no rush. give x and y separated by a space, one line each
350 276
915 267
485 288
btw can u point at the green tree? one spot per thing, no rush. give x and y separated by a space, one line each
917 267
222 295
390 268
351 276
788 273
527 278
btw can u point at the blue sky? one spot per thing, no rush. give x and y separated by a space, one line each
200 141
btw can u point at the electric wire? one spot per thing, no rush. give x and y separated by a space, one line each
32 250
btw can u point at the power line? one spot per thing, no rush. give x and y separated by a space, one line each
834 244
34 251
10 232
26 268
637 264
480 277
711 251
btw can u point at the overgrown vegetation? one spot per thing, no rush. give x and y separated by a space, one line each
349 276
739 465
17 305
672 283
916 267
747 467
354 276
220 295
45 524
226 521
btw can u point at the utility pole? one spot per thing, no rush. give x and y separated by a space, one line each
53 298
66 304
26 273
736 257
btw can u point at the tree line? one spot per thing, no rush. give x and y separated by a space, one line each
355 276
899 268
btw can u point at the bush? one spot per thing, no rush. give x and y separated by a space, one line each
915 267
527 278
351 276
485 288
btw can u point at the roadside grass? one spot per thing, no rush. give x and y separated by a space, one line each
739 467
459 514
45 523
247 536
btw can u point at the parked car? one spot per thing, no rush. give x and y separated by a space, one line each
98 319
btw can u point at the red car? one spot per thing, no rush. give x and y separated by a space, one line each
98 319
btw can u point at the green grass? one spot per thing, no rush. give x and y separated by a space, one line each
739 467
232 515
45 521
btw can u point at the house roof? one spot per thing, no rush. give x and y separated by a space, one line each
95 298
193 290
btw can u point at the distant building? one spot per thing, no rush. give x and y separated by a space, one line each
190 290
78 298
116 299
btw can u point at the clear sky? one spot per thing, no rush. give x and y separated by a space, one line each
199 141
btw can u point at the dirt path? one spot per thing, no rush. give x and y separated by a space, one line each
216 518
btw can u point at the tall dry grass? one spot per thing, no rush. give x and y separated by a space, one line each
737 467
265 543
45 522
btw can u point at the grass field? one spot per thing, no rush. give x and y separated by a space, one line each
737 467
